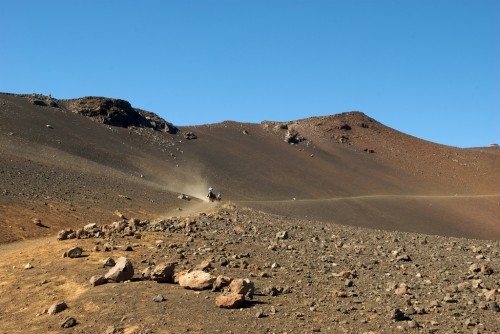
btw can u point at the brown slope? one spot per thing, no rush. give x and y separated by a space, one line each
82 167
77 170
342 182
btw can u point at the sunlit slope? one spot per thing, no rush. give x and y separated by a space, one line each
346 168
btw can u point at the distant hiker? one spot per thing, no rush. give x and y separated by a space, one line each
219 196
210 192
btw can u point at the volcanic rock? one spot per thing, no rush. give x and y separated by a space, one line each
221 282
108 262
282 235
98 280
122 271
196 280
57 307
230 300
242 287
63 234
73 252
163 272
68 322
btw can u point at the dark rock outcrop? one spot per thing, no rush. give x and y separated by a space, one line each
117 112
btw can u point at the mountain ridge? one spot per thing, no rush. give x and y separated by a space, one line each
377 176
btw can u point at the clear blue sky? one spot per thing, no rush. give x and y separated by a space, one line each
430 68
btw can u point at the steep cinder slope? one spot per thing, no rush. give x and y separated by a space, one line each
352 170
64 168
346 168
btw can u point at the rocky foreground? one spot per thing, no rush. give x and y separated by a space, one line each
238 270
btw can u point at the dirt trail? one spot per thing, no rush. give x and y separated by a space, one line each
375 196
194 207
20 245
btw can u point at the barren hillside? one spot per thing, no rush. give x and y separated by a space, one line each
85 158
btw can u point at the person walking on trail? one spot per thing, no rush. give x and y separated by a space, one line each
210 192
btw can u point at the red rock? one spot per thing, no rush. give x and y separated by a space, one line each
242 287
230 301
339 294
163 272
196 280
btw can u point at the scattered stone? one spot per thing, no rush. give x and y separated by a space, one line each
242 287
413 324
184 197
28 266
434 303
113 330
282 235
230 301
261 314
159 298
92 227
223 261
271 291
486 270
491 295
204 265
64 234
403 258
196 280
68 322
163 272
339 294
221 282
398 315
477 283
401 290
190 136
122 271
38 222
57 307
74 252
80 234
348 274
448 298
98 280
108 262
119 214
474 268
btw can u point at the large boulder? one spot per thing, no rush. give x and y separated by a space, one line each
64 234
163 272
230 300
122 271
74 252
242 287
196 280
